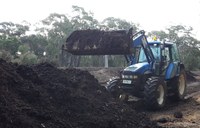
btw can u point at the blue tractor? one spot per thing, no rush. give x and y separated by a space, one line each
155 71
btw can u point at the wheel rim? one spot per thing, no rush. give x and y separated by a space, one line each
122 97
161 92
181 86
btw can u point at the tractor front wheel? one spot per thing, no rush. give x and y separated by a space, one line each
112 87
155 91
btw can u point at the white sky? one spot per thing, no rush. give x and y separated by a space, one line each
150 14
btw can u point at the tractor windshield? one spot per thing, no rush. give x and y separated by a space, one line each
155 50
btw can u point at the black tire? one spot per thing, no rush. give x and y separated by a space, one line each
155 91
177 87
112 87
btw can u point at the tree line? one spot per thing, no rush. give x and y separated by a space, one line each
20 44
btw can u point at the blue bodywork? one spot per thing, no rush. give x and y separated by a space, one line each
172 71
138 68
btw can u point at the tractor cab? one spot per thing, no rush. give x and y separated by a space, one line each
164 53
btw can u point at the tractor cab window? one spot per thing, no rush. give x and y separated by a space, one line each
142 56
174 52
165 54
155 50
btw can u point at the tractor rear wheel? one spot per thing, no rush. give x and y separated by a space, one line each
177 87
155 93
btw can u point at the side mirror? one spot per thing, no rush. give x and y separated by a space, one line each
163 45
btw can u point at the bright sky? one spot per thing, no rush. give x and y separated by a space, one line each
150 14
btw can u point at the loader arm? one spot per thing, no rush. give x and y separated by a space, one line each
140 40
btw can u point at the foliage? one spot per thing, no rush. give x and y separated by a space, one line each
6 55
112 23
28 58
190 57
9 43
11 29
162 35
22 49
35 43
83 19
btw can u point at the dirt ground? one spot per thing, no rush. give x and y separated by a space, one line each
184 114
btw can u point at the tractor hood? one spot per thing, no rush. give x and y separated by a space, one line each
138 68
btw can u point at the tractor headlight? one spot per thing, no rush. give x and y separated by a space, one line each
130 77
124 76
135 77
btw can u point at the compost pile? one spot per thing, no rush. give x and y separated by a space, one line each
42 96
98 42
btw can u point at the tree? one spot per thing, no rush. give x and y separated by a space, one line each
161 35
35 43
10 34
22 49
28 58
56 28
9 44
83 19
6 55
12 29
191 57
112 23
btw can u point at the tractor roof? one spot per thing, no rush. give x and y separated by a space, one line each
160 42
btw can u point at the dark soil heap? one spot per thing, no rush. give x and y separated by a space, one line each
42 96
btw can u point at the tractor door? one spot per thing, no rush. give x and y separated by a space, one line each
173 62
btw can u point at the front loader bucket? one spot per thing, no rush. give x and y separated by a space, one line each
98 42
